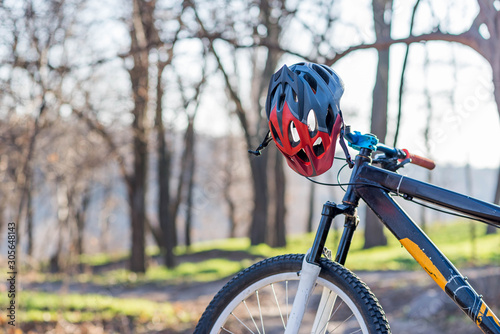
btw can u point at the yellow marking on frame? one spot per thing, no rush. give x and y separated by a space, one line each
488 312
479 318
424 261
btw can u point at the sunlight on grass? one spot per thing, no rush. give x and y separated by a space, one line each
454 240
187 272
213 260
44 307
208 270
101 258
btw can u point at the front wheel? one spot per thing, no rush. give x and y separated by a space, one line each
259 300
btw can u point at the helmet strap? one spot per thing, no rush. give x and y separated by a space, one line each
262 145
343 144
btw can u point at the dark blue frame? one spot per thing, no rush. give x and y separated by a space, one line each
374 186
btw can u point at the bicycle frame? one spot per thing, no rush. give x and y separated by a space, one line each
373 185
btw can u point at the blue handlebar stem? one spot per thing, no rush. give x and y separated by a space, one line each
358 141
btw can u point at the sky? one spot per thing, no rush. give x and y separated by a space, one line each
465 123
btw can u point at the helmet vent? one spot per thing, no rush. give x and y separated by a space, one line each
322 73
302 155
318 147
329 119
311 81
293 135
295 97
275 134
281 101
328 69
312 123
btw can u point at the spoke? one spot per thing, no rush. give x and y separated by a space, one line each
358 331
343 322
227 331
286 296
251 316
241 322
260 312
278 304
333 314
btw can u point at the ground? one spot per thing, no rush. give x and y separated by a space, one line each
412 301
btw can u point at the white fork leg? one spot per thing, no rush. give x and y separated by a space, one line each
308 276
325 308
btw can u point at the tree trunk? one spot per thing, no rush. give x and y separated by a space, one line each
258 227
137 206
495 66
231 213
24 178
181 184
228 181
472 224
492 229
190 141
374 233
139 77
29 219
63 207
167 225
81 216
278 233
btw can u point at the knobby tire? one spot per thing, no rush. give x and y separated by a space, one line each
260 298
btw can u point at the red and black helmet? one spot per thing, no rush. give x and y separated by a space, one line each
304 115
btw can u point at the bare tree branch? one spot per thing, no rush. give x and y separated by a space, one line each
403 71
101 130
463 38
240 111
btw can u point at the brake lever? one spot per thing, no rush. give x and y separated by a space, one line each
390 164
403 163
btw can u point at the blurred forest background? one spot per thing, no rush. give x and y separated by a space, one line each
125 124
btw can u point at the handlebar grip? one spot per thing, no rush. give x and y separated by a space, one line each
420 161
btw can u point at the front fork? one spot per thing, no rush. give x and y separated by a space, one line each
311 267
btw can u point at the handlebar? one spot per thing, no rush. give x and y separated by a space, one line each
357 141
420 161
402 154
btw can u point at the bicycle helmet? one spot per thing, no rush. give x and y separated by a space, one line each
304 116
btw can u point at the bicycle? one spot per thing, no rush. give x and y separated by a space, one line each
311 293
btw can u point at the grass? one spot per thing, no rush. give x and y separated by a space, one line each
76 308
188 272
453 239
